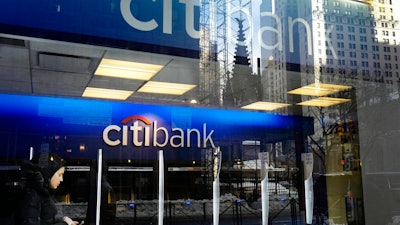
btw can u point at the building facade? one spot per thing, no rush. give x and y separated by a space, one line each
206 112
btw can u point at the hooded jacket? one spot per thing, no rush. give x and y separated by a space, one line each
37 204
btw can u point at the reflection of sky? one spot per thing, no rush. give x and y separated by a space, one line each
248 13
256 24
251 14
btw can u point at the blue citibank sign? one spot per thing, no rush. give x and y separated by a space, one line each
167 23
133 129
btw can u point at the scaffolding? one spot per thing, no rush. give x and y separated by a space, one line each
217 45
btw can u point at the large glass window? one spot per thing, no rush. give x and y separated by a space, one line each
205 112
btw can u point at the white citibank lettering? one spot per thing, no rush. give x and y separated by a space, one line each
152 24
264 33
147 134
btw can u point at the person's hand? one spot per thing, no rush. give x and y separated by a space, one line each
69 221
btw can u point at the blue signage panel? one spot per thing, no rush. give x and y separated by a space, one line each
134 130
170 23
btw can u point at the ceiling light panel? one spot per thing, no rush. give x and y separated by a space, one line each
156 87
92 92
115 83
266 106
127 69
324 102
319 89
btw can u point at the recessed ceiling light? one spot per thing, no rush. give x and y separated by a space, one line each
266 106
92 92
127 69
156 87
324 102
319 89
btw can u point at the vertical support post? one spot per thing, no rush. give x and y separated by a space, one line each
300 148
264 189
160 187
30 153
99 175
307 159
216 190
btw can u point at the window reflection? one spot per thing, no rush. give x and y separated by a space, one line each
250 52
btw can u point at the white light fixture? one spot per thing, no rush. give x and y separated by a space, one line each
127 69
92 92
324 102
156 87
319 89
266 106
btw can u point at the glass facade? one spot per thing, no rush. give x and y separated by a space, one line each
205 112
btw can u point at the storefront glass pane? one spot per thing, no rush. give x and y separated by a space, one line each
233 112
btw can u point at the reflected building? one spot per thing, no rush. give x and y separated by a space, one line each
335 42
352 41
279 60
329 42
242 84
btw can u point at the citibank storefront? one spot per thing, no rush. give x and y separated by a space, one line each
205 112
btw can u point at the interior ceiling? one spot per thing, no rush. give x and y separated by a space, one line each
42 67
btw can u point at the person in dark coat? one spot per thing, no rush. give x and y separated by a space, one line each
37 204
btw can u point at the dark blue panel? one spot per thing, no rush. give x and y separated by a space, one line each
66 123
104 20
